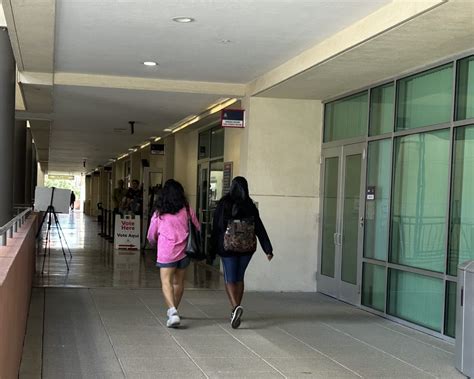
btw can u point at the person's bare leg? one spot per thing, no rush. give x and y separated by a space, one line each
178 285
166 275
239 291
232 294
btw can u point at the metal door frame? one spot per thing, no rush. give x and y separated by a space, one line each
335 287
349 292
325 283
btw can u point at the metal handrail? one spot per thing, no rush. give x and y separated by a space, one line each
12 226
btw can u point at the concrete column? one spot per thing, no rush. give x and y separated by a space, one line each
37 174
104 188
136 166
280 153
88 193
29 189
95 193
7 122
168 172
19 163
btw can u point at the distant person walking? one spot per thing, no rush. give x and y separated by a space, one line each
236 226
169 230
72 200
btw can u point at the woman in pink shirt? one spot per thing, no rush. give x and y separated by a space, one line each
169 231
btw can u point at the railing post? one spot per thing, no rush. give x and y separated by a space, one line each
4 239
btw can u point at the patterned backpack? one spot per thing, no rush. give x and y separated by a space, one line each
240 236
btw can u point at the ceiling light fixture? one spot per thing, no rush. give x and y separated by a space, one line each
183 20
222 105
168 130
157 139
145 145
150 63
186 124
226 41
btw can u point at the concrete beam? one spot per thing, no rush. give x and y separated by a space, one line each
146 84
24 115
36 78
3 22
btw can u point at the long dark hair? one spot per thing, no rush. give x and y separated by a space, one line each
172 198
238 198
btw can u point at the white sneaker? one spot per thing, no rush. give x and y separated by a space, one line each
173 318
236 315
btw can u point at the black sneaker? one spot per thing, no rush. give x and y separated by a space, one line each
236 315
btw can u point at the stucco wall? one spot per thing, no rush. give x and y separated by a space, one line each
185 163
17 262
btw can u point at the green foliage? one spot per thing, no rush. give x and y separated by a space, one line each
64 184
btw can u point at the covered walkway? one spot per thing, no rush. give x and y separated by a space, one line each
95 324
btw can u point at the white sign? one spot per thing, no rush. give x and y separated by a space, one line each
127 233
59 199
126 268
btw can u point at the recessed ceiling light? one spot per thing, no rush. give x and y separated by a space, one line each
150 63
167 130
183 20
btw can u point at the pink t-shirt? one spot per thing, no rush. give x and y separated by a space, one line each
170 233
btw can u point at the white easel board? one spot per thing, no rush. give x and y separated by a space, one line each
61 199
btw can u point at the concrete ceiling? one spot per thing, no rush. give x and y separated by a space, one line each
81 71
92 123
387 55
115 37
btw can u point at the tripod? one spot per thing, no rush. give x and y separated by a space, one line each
52 216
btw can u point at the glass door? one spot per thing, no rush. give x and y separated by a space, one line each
342 225
203 203
210 186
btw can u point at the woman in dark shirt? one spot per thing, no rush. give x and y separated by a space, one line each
236 205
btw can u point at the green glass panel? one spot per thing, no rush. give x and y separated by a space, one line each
450 317
461 230
419 200
331 172
425 99
465 89
381 109
346 118
373 286
416 298
377 208
217 142
351 218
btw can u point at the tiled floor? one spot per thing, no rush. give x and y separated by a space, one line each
94 262
102 332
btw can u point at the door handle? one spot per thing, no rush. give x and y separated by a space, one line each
340 239
334 238
361 221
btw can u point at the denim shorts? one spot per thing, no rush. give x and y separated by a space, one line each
181 264
234 268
